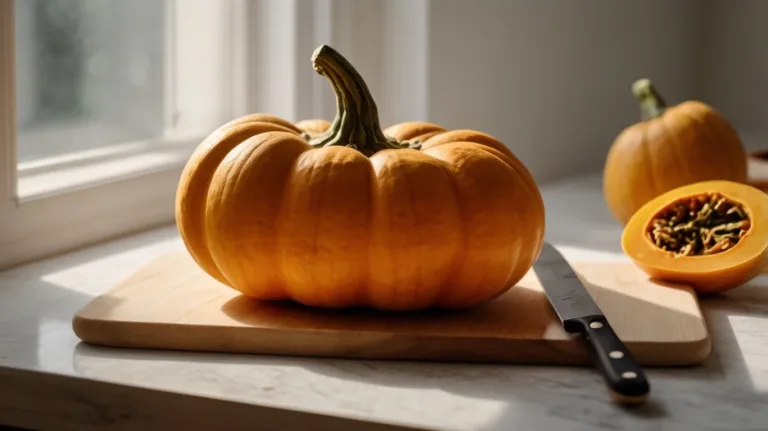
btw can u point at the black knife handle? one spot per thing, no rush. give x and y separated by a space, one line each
625 379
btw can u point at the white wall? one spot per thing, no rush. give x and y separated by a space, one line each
735 64
552 79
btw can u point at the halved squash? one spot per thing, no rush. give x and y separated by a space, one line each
710 235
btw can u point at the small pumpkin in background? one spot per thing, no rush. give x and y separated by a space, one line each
343 214
671 146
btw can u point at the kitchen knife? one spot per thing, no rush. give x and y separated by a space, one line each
580 314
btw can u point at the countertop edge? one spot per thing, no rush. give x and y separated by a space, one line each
45 400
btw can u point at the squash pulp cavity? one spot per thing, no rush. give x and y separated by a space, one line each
710 235
700 225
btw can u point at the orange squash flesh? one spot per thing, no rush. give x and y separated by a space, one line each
711 273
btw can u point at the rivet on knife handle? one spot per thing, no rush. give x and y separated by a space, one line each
624 378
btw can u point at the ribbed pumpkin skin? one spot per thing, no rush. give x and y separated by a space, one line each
688 143
451 226
344 214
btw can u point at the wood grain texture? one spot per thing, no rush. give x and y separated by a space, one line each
172 304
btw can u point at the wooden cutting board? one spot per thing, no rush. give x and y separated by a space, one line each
172 304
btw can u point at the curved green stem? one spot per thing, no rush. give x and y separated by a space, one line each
652 105
357 118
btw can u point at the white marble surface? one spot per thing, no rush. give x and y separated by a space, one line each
730 391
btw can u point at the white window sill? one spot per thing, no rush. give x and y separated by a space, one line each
75 170
69 383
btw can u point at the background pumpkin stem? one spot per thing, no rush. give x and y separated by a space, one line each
357 118
652 105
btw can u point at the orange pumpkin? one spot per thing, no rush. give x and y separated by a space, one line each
670 147
344 215
711 235
313 127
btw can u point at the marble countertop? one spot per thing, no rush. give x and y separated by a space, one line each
37 302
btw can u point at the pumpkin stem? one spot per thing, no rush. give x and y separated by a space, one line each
652 105
357 118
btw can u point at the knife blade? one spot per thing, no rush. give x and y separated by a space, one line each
579 313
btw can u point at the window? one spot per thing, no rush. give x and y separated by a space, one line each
72 60
89 88
103 101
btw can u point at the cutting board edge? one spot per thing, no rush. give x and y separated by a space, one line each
571 350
